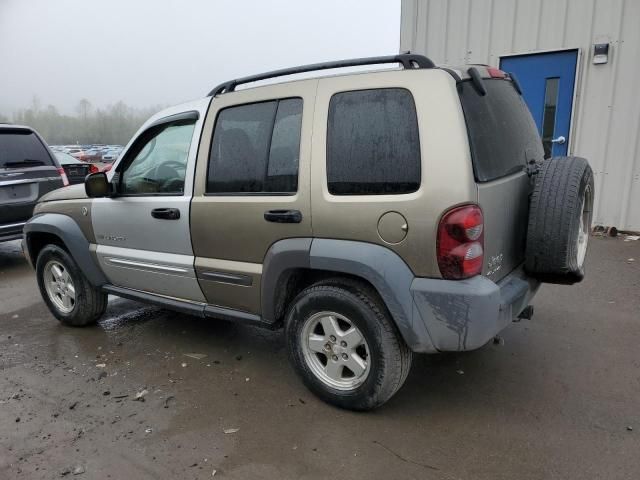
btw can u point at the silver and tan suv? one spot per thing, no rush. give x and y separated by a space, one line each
372 215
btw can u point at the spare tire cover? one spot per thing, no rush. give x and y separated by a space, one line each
560 215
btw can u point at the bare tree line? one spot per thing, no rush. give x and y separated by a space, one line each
114 124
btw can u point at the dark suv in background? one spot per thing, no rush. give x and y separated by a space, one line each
28 170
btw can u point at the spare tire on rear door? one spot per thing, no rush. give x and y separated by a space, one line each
560 220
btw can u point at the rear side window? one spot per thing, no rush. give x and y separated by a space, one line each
256 148
373 146
502 134
22 148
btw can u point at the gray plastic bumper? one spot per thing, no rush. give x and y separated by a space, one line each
466 314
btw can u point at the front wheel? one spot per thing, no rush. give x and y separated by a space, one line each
66 291
345 347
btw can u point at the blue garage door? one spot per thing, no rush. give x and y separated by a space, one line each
547 81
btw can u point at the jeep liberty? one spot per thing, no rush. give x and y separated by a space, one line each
373 215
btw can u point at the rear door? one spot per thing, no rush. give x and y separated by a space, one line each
503 138
252 187
27 171
143 233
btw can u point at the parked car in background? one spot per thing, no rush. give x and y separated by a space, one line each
111 155
77 153
28 170
75 169
92 154
101 166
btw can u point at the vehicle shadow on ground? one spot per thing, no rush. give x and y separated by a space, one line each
449 381
11 257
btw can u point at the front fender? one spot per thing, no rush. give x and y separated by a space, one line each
65 228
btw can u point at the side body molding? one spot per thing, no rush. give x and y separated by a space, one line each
69 232
381 267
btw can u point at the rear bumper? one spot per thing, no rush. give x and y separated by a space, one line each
466 314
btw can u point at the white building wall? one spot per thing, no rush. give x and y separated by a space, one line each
606 116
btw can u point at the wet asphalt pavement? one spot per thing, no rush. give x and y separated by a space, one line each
558 399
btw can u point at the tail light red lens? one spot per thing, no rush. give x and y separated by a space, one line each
93 168
460 244
65 180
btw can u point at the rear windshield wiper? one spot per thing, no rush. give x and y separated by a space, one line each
26 162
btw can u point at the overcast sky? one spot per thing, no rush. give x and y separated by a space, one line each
150 52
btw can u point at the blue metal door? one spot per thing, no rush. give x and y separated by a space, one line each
547 81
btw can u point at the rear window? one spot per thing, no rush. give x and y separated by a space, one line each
502 134
22 148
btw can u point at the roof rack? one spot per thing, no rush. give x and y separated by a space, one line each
408 60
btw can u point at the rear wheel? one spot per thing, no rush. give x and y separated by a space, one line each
345 347
66 291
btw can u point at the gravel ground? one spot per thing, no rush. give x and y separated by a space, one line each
558 398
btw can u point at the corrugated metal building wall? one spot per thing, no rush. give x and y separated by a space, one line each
606 116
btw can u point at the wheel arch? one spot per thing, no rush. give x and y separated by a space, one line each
61 230
293 264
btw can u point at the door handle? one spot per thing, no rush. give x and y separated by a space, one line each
166 213
559 140
283 216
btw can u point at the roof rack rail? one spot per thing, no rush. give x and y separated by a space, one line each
408 60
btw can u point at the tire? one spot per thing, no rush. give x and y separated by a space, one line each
88 304
386 355
560 215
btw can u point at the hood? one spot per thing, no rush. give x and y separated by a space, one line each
72 192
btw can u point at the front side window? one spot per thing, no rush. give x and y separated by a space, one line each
256 148
159 164
373 146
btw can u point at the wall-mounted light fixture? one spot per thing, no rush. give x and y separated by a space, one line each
600 53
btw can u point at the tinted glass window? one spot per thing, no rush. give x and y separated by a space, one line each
160 161
22 148
502 134
373 143
256 148
284 152
549 115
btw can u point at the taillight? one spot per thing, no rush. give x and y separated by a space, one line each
65 180
495 72
460 244
93 168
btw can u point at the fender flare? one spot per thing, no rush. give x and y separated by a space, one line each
378 265
71 235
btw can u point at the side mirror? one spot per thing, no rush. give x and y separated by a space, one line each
96 185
